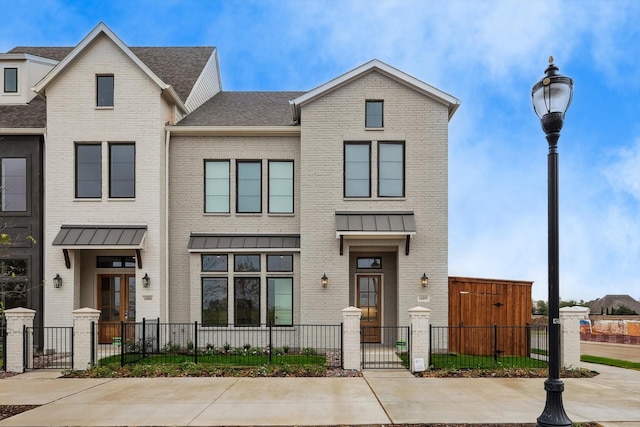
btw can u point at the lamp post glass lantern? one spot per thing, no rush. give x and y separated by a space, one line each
551 98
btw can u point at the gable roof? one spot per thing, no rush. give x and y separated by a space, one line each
401 77
164 65
243 109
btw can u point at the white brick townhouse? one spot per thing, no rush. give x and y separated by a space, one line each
166 197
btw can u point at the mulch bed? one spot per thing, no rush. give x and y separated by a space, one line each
7 411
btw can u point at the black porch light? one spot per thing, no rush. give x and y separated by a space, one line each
324 280
57 281
551 98
146 280
424 280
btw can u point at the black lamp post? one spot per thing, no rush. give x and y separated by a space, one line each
551 98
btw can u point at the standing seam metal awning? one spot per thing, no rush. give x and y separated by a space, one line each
100 237
204 242
375 224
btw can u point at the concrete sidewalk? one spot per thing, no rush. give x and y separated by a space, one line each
380 397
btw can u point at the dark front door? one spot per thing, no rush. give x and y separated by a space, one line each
117 303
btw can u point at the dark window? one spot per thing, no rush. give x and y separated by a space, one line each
214 263
391 169
374 114
249 187
115 262
357 169
280 301
216 186
11 80
13 267
279 262
13 283
247 301
122 170
280 186
88 171
246 263
104 91
215 293
13 185
369 263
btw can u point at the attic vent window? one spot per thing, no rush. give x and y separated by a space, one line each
104 95
11 80
373 114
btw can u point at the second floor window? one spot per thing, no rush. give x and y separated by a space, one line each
357 169
216 186
88 171
122 171
104 91
391 169
11 80
280 186
249 186
13 184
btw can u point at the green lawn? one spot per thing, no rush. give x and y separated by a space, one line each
218 359
462 361
610 362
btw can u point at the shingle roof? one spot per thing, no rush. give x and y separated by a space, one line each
32 115
243 109
178 66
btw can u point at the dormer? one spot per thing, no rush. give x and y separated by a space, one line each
19 72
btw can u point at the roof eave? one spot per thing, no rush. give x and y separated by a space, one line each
22 131
233 130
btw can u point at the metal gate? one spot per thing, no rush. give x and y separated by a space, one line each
391 351
57 349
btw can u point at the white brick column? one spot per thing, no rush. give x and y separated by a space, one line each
419 319
82 336
570 335
351 337
17 319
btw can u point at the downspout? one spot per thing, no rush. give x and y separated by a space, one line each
166 225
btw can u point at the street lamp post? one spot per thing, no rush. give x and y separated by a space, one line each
551 98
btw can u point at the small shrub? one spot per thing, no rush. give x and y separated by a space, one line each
308 351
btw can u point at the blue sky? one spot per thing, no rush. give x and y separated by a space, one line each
488 54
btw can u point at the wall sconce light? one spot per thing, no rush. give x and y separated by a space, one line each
424 280
145 280
324 280
57 281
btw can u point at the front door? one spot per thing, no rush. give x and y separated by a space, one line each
369 301
117 303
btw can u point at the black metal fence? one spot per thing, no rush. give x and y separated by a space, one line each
154 342
56 351
3 343
385 347
468 347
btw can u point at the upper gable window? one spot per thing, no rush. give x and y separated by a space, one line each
373 114
104 92
11 80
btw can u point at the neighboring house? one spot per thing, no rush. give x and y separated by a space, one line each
169 198
608 303
22 130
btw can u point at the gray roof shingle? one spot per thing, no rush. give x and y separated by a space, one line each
32 115
243 109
